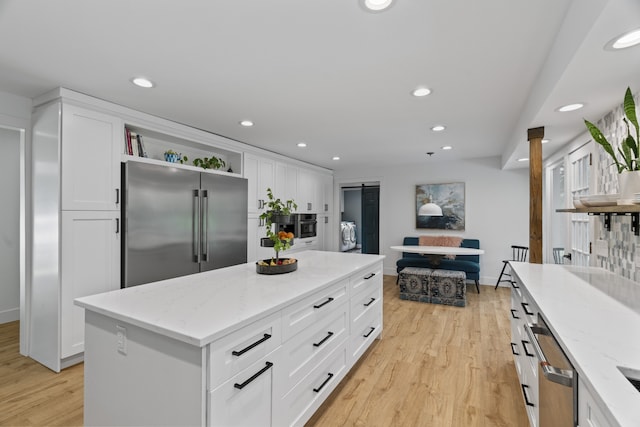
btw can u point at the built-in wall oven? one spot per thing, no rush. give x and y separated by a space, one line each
306 225
557 379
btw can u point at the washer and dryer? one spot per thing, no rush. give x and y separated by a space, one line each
347 235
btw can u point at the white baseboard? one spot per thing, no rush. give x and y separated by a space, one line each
10 315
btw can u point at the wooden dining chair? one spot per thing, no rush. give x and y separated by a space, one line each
518 253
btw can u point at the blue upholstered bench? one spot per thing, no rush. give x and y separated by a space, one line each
469 264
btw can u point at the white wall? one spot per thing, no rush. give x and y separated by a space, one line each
497 206
15 113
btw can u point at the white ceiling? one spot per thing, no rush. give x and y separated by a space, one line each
330 74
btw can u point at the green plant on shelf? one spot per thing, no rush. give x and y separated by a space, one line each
212 162
277 208
173 157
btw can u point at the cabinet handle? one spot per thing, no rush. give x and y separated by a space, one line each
524 393
117 225
249 347
204 225
513 347
324 303
309 206
514 286
526 310
369 276
370 302
318 344
326 220
260 203
254 376
524 346
117 196
317 390
326 207
371 329
513 313
196 226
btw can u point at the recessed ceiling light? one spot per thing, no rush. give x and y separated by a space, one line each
446 147
421 91
142 82
632 38
523 159
570 107
246 123
376 5
438 128
336 158
302 144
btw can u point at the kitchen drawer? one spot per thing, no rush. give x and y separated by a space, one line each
245 399
364 331
307 349
313 308
238 350
366 279
365 302
297 406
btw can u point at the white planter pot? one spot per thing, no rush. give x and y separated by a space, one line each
629 183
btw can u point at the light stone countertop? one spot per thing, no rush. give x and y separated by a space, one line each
199 308
595 315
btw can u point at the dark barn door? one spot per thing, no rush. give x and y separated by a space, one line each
370 220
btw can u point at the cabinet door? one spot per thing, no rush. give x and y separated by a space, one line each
327 193
90 265
260 173
91 146
307 191
286 182
255 232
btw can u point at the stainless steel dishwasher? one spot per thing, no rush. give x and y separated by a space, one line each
557 379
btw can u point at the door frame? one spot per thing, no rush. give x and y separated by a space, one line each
339 183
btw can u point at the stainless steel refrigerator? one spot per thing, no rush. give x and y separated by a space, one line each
179 222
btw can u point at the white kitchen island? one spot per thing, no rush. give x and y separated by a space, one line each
229 346
595 316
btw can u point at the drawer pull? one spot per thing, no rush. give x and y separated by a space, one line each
369 276
318 344
244 350
513 313
370 332
524 393
317 390
524 346
513 347
514 286
370 302
324 303
526 310
254 376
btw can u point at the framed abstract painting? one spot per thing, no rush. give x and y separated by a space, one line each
440 206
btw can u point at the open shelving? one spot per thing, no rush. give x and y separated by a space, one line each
608 211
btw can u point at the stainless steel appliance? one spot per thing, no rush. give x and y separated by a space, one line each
179 222
557 380
306 225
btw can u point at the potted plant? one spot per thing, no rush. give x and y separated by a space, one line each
212 162
628 165
277 212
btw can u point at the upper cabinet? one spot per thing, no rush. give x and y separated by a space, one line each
90 163
308 191
260 173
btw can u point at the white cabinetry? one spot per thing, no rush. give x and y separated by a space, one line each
76 230
260 173
523 311
589 412
308 191
90 162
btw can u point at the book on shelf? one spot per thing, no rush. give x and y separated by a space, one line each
141 148
134 145
127 142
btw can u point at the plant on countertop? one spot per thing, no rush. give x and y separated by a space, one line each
628 149
209 163
276 208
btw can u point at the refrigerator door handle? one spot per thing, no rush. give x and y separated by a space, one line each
196 226
205 225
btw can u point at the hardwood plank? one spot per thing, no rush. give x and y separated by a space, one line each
435 365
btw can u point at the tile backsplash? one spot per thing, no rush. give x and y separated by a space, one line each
623 245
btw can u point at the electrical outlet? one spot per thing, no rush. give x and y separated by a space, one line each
121 338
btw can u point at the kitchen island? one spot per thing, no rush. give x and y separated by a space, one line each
595 317
230 346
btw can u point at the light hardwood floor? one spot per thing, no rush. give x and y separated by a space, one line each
434 366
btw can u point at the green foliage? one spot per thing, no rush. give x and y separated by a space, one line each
628 149
277 207
209 163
